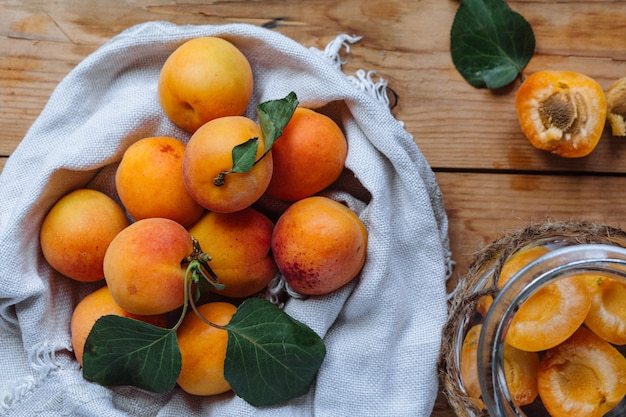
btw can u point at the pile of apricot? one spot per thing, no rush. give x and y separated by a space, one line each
169 207
562 345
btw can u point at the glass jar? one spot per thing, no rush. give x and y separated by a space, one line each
585 256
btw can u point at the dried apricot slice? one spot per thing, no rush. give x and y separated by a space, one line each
469 365
520 370
519 260
513 264
562 112
585 376
607 315
520 374
550 315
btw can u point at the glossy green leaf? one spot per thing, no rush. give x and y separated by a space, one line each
124 351
244 155
274 116
490 43
271 357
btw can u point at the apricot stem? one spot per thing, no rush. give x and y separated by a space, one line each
220 179
201 317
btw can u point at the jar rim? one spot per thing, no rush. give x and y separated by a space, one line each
551 266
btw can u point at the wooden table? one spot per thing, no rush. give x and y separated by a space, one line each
492 180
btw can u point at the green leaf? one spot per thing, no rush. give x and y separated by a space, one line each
490 43
271 357
274 116
124 351
244 155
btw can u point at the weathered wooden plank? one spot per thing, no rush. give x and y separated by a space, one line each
484 207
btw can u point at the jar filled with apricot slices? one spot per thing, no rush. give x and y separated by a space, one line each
537 326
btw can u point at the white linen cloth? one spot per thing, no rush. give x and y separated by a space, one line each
382 331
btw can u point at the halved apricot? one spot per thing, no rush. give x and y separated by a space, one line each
520 370
607 315
585 376
519 260
520 373
550 315
511 266
469 365
562 112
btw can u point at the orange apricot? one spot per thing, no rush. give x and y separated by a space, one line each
143 266
484 304
319 245
149 181
308 157
520 374
469 365
510 267
76 232
520 370
204 79
562 112
607 315
518 260
582 377
550 315
239 246
95 305
209 155
203 350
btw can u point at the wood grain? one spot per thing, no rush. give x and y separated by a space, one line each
492 180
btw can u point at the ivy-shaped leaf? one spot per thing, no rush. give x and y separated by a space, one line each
124 351
271 357
490 43
273 117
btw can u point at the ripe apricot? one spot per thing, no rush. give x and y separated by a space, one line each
319 245
518 260
550 315
308 157
149 181
239 246
582 377
510 267
203 79
520 370
203 350
562 112
143 266
95 305
520 374
607 315
76 232
209 153
469 365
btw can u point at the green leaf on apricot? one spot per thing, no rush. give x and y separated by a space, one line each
244 155
273 117
123 351
270 357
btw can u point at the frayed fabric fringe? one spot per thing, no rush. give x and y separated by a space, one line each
43 361
363 80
